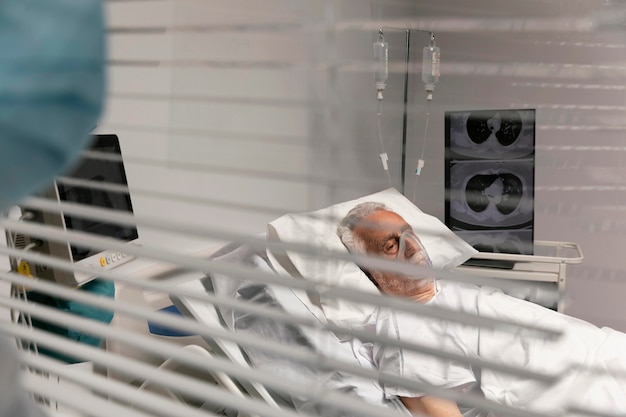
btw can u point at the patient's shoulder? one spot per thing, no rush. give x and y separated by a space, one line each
456 295
454 287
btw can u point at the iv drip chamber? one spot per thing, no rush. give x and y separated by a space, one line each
381 59
430 67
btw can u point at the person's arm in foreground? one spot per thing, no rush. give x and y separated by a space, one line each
431 406
52 83
52 65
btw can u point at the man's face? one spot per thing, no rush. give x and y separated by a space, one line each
382 233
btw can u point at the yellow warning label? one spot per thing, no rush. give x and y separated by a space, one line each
24 269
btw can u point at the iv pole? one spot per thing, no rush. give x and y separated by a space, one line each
406 95
406 107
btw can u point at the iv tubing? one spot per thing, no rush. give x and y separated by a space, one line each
423 146
382 144
425 129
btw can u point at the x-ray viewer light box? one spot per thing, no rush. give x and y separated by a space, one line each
490 176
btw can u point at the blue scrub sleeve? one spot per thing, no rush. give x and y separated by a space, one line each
52 84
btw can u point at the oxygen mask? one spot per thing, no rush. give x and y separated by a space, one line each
411 250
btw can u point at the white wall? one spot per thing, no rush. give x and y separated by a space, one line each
239 117
205 133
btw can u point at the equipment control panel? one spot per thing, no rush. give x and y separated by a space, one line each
105 261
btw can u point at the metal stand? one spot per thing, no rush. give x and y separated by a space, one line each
406 108
406 96
550 268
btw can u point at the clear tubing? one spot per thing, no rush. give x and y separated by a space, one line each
383 155
421 158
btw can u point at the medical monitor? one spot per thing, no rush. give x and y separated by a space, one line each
490 178
97 180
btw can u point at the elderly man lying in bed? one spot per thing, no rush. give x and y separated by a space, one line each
371 228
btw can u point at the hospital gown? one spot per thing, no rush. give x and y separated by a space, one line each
590 362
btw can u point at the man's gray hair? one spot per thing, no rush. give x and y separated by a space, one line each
355 217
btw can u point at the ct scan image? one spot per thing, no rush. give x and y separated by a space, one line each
491 194
491 134
501 241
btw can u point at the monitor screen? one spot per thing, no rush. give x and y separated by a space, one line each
490 160
106 168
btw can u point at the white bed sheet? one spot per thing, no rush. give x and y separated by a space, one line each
589 361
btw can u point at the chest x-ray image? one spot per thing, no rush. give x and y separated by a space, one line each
504 191
490 178
494 134
489 194
493 200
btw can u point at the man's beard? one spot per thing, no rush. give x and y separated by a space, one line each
393 283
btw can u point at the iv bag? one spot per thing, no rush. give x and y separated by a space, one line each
430 68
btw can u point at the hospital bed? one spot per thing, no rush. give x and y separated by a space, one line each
301 322
308 327
327 347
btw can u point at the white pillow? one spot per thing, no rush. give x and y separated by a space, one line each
319 228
